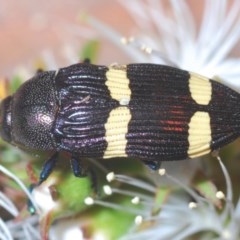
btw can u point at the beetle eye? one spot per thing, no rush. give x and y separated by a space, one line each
5 119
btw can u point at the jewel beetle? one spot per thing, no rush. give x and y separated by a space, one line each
147 111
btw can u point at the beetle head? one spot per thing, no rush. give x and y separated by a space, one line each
28 115
5 119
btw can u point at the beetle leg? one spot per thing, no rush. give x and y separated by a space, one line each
153 165
78 168
48 167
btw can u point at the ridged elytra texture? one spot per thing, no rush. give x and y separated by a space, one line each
162 109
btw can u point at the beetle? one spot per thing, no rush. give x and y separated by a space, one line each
152 112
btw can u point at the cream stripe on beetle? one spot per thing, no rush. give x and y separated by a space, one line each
119 118
116 130
199 134
200 88
118 84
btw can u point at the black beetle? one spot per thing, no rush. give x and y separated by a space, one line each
147 111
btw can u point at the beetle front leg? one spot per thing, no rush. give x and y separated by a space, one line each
153 164
81 170
78 168
48 167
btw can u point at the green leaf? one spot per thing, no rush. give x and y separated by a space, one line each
15 83
90 51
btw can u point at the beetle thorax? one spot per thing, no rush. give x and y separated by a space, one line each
33 111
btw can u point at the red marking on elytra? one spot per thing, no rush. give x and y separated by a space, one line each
173 125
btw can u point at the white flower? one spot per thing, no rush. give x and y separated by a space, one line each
18 227
172 37
170 33
181 215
